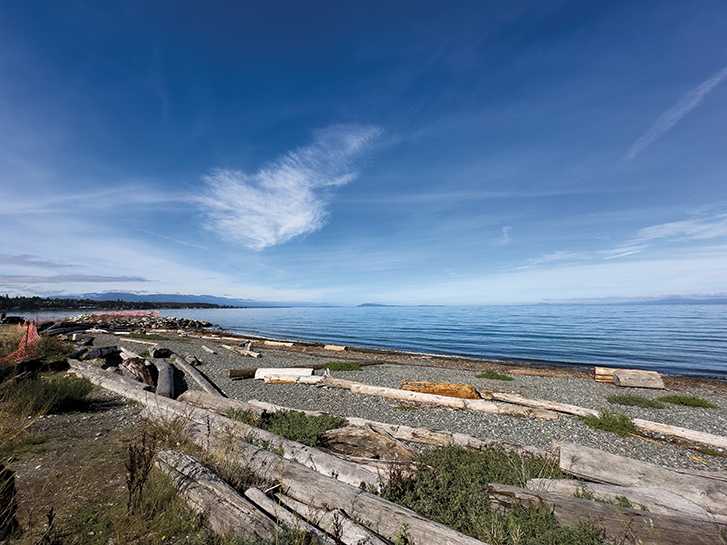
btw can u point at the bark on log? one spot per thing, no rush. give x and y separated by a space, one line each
619 524
262 372
282 515
198 377
654 500
709 492
463 391
642 379
240 373
335 523
221 508
138 368
365 442
165 377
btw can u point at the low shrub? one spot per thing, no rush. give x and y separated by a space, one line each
405 408
493 375
688 401
342 366
293 425
620 424
450 487
635 401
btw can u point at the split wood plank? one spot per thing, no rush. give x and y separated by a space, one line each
198 377
334 522
619 524
138 341
654 500
281 515
463 391
603 374
709 492
279 343
262 372
219 505
643 379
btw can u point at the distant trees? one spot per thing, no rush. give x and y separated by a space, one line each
52 303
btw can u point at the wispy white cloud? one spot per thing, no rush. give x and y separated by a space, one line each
288 197
553 257
29 261
670 118
65 278
505 236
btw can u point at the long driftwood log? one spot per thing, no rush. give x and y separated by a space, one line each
424 436
283 516
655 427
463 391
709 491
443 401
165 377
198 377
654 500
621 525
334 522
219 505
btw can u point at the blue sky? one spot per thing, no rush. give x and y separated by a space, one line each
349 152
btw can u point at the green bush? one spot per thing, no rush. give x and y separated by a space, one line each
342 366
293 425
449 486
620 424
635 401
493 375
688 401
52 348
52 394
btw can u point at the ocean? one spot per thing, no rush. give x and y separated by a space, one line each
673 339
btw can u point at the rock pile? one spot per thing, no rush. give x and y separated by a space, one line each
140 323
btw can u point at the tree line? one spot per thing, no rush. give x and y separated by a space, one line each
52 303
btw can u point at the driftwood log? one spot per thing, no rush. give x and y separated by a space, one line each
165 377
621 525
443 401
655 427
216 403
198 377
708 490
282 516
219 434
363 441
654 500
334 522
263 372
463 391
219 505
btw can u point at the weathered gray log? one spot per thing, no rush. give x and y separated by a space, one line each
665 429
334 522
165 377
365 442
216 403
157 351
198 377
424 435
138 368
280 514
619 524
190 359
654 500
104 378
208 349
293 379
219 505
642 379
709 492
241 351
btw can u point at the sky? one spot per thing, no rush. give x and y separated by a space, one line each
406 152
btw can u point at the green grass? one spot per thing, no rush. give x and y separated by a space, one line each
293 425
493 375
635 401
47 394
450 487
405 408
152 337
50 349
342 366
688 401
620 424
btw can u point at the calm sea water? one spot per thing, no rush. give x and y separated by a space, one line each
671 339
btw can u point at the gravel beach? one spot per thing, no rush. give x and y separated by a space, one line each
569 386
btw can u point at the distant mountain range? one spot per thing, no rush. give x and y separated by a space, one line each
179 298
